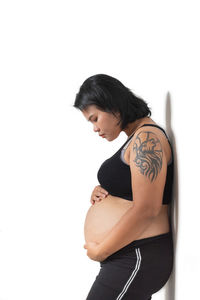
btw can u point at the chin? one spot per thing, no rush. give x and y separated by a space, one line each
108 139
111 139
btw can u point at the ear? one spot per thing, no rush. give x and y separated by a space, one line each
118 116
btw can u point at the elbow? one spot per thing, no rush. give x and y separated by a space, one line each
149 212
153 212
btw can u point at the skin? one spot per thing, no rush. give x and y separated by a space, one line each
147 154
107 124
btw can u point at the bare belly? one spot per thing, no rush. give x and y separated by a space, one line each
102 217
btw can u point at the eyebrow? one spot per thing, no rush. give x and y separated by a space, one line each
90 117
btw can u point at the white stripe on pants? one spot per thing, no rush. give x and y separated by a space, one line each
137 266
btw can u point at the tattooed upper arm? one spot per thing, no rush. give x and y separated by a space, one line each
148 166
148 154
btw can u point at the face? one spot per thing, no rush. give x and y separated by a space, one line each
104 123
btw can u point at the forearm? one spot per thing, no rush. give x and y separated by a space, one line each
131 225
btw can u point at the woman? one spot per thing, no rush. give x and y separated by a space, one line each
128 229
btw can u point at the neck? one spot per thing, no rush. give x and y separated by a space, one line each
132 127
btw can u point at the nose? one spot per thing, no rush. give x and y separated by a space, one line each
95 128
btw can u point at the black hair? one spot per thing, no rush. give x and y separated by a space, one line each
110 95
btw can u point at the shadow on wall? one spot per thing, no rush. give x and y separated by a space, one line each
171 284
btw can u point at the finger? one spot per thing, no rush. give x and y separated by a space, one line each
97 188
92 202
103 191
100 194
97 199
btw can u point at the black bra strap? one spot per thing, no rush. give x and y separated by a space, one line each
142 126
162 130
157 127
149 125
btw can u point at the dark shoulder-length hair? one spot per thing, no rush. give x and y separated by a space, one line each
110 95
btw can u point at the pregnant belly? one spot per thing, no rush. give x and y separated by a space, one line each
102 216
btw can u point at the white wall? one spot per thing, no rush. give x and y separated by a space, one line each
50 156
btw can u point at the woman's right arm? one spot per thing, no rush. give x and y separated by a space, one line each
98 194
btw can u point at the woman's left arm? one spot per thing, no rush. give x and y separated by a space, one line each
148 165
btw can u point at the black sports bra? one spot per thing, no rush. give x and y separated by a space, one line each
114 174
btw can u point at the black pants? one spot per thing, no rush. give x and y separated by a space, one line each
136 271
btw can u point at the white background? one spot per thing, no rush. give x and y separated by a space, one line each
49 154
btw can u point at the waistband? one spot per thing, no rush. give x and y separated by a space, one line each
138 243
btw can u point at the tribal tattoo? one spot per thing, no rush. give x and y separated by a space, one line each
148 154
